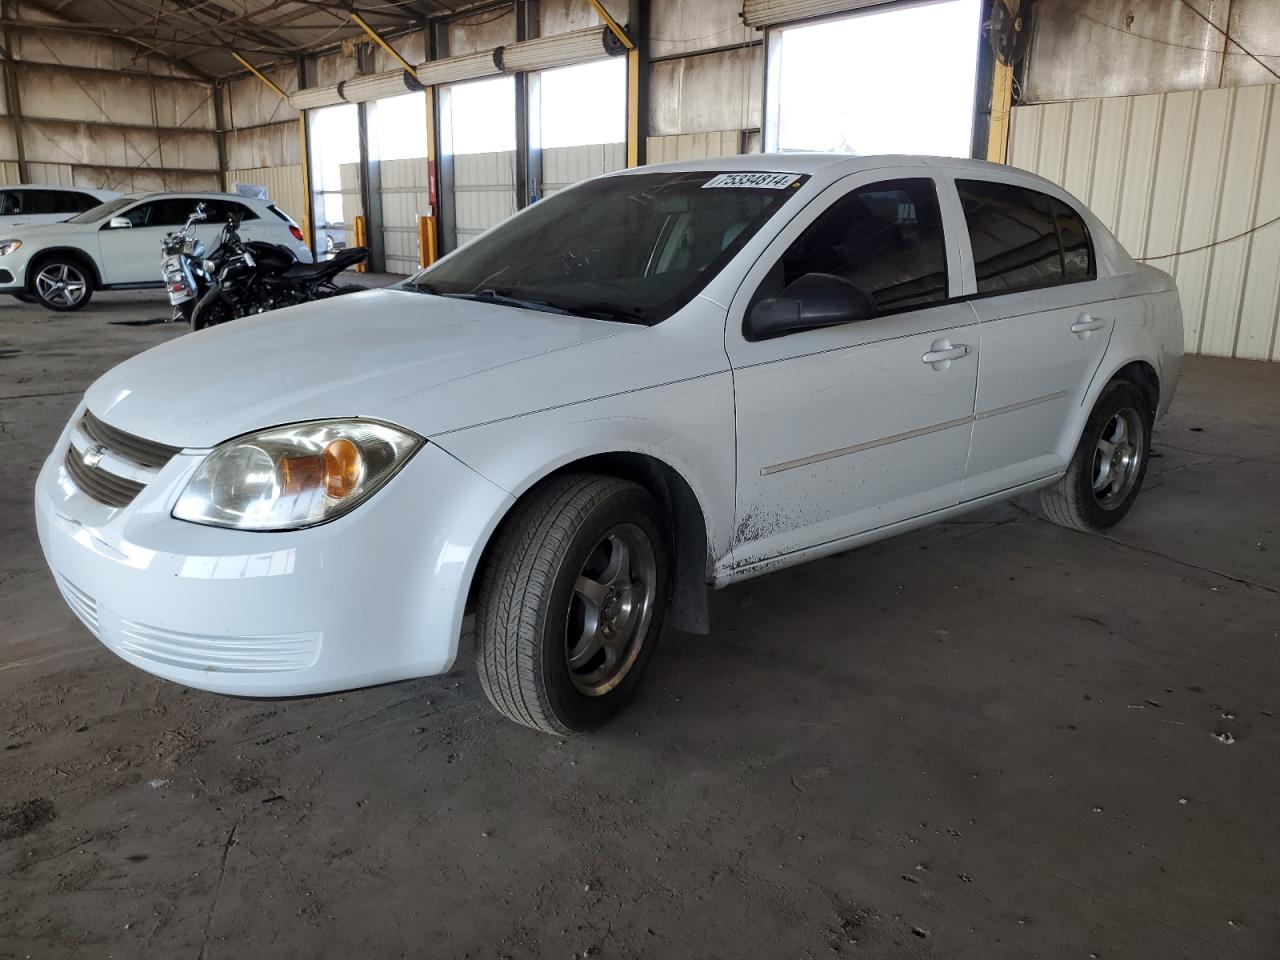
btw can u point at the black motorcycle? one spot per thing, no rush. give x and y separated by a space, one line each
255 276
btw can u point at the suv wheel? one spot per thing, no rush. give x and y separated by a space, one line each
571 602
61 283
1106 472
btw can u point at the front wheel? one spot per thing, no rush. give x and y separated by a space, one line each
1110 462
61 284
211 311
571 602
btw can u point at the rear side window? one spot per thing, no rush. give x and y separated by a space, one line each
217 211
885 238
280 213
1023 239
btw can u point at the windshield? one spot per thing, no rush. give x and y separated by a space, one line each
634 248
103 210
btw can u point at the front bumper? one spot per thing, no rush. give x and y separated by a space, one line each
375 596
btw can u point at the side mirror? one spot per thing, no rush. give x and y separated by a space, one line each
814 300
119 223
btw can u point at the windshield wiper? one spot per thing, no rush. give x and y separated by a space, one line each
419 286
493 296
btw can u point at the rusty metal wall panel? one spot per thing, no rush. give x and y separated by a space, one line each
706 94
1173 172
1099 48
562 16
684 26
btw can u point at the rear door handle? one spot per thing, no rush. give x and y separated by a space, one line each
941 355
1086 324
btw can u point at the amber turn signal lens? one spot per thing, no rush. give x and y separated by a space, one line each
343 468
300 474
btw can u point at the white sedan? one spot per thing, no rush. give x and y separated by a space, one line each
655 383
116 245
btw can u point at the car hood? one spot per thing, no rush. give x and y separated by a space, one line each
359 355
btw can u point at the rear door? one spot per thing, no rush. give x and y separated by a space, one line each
849 428
1046 321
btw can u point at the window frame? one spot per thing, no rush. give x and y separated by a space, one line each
957 180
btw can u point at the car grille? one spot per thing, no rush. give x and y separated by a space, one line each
147 453
103 485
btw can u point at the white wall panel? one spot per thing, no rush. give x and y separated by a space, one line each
565 166
693 146
405 198
284 186
484 186
1170 173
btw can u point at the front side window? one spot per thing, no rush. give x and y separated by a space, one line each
104 211
885 238
11 203
635 247
1023 239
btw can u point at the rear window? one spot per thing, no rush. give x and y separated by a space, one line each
1023 239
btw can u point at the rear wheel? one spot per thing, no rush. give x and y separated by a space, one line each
571 603
61 283
1110 462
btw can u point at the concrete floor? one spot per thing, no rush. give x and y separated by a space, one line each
991 738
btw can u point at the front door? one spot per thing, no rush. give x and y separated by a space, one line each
132 254
845 429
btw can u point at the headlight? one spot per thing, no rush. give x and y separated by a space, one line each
8 246
295 476
210 267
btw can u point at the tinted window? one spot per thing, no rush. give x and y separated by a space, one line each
885 238
41 201
1015 234
11 204
79 202
217 211
1077 251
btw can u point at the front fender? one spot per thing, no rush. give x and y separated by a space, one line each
688 426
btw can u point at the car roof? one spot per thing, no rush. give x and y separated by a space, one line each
836 163
194 195
96 191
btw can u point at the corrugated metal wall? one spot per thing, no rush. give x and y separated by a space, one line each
697 146
565 166
484 187
284 186
1172 172
404 199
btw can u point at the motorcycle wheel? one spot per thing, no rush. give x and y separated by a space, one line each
211 311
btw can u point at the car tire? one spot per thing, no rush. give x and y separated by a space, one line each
61 283
1110 462
571 602
211 311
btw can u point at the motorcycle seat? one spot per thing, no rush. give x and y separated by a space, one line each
342 260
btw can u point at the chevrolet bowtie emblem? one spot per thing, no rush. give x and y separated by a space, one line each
92 455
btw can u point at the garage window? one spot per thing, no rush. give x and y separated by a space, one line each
1023 239
885 238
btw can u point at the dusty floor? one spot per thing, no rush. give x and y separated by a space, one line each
992 738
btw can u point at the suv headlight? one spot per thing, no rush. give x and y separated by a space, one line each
9 246
295 476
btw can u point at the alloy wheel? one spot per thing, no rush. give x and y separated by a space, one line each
611 608
62 284
1117 458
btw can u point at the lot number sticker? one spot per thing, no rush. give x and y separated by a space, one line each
760 181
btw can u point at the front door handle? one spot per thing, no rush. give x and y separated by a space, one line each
942 352
1086 324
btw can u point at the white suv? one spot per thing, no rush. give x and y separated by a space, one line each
116 245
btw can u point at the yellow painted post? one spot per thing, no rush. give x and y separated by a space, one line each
1002 83
362 240
426 241
633 107
306 181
